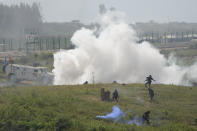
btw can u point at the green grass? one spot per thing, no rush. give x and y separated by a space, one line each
184 57
186 52
75 108
181 52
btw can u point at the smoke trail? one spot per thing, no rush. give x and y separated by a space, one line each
112 53
138 121
115 115
118 115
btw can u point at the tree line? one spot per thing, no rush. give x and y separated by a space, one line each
16 20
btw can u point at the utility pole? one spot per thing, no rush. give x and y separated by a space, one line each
54 44
93 79
59 42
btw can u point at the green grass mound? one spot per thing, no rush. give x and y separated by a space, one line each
74 108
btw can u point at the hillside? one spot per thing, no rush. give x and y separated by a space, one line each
75 108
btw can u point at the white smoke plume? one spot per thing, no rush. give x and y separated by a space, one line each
112 53
117 115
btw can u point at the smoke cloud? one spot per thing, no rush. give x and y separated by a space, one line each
112 53
117 115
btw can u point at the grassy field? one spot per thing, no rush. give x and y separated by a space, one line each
74 108
181 52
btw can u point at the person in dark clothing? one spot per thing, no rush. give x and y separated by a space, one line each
151 93
149 80
146 117
5 63
115 95
4 68
85 83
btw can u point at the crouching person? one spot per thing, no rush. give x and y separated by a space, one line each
146 117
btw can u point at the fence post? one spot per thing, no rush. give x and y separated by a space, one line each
152 37
59 42
4 48
54 43
165 39
182 36
65 43
11 44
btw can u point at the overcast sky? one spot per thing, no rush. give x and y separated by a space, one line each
137 10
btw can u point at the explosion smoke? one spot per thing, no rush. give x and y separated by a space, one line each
112 53
117 115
